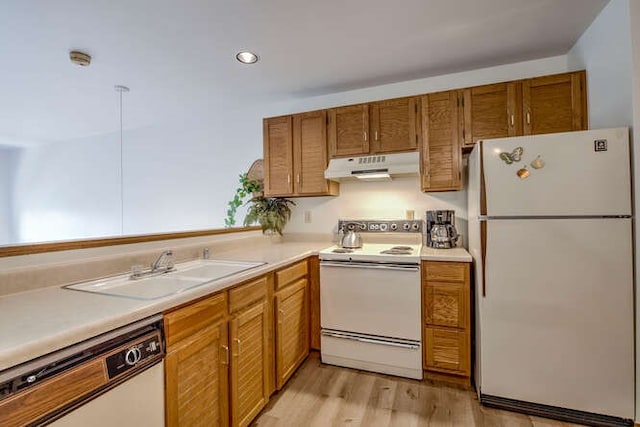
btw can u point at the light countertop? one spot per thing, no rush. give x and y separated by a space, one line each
453 254
40 321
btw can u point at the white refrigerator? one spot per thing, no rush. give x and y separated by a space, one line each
550 232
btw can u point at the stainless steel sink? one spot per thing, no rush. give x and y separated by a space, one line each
186 276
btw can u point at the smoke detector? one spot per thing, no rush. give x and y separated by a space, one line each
80 58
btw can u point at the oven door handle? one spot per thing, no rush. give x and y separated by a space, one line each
360 338
368 265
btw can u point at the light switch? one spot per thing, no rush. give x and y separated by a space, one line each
307 217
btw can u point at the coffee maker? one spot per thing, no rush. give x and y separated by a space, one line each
441 229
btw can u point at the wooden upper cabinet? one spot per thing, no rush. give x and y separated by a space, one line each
394 125
349 130
310 155
278 156
295 156
491 111
441 154
554 103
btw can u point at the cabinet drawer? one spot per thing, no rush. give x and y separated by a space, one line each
288 275
446 271
245 295
447 350
446 304
186 321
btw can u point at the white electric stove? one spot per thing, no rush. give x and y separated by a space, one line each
370 300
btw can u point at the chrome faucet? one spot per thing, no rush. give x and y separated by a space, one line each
163 264
157 265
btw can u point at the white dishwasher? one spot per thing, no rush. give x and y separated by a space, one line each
115 379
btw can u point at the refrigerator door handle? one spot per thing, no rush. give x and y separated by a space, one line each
483 255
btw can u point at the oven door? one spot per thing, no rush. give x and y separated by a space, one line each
371 298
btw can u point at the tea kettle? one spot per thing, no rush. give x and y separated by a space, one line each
351 239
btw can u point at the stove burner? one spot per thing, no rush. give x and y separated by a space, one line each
396 251
401 248
342 251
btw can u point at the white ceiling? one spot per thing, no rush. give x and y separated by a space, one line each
178 55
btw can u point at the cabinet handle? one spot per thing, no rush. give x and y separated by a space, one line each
237 340
528 117
365 136
288 178
375 135
298 178
513 120
226 357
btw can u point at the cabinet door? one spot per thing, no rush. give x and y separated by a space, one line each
292 330
249 364
491 111
446 304
310 153
278 156
447 350
554 103
349 130
393 125
197 379
441 156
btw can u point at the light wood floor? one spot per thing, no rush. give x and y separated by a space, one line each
323 395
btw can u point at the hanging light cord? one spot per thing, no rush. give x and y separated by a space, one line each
121 90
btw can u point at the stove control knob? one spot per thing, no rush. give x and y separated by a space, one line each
383 227
394 226
415 226
406 226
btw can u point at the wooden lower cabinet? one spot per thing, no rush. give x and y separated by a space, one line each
249 333
196 379
221 364
447 350
292 329
446 300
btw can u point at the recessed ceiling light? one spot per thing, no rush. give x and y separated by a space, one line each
247 57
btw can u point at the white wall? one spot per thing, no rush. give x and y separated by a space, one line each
178 175
604 50
68 189
7 159
392 199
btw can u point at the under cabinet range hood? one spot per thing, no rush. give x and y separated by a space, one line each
379 167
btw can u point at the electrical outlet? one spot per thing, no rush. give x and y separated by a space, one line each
307 217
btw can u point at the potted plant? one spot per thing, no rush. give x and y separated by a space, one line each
247 186
272 213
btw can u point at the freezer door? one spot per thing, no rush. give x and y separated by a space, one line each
583 173
557 314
